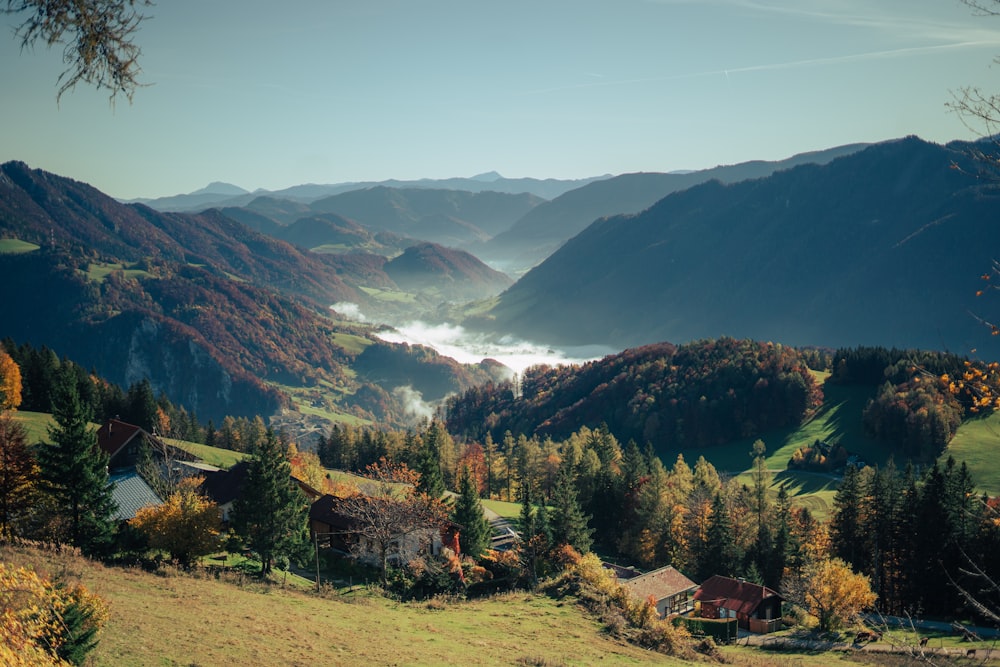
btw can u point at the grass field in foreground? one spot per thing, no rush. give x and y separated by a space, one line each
161 619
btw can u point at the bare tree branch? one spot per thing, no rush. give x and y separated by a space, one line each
96 36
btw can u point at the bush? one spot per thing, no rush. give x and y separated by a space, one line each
722 630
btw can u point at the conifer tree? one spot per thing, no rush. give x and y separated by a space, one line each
847 528
429 462
74 473
468 513
720 555
569 524
271 511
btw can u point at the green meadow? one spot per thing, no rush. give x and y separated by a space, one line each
16 246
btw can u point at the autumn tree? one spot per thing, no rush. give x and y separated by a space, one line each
18 473
10 382
74 473
187 525
393 516
97 38
44 623
271 511
468 514
833 593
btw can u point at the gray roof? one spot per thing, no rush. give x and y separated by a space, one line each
131 493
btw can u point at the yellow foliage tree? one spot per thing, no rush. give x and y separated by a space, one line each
32 617
834 593
187 525
10 382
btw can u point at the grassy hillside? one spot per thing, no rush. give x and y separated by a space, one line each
976 444
181 620
839 420
36 424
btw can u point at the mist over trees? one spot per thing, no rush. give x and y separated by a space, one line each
699 394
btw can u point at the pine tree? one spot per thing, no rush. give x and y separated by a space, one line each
74 473
271 511
720 555
429 462
468 513
847 528
569 525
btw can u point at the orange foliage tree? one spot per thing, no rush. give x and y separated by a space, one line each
10 382
187 525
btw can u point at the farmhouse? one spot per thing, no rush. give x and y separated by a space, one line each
224 486
757 608
124 442
332 527
672 591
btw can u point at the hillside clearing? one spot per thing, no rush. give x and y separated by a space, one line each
164 619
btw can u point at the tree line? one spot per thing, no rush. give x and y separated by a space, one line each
699 394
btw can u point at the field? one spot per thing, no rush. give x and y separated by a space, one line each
221 458
976 443
98 272
172 619
16 246
36 424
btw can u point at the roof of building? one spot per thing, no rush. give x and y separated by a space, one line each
738 595
115 434
659 584
225 486
131 493
327 510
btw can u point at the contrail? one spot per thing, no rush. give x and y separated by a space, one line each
809 62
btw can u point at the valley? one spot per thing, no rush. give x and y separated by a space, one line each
680 367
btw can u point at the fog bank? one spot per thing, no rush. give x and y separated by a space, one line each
471 348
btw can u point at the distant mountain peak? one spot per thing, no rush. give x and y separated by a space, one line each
220 188
487 177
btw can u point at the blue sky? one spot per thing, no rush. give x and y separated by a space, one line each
268 94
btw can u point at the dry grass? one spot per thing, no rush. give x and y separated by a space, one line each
177 619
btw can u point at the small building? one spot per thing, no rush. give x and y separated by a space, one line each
224 486
333 528
672 591
757 608
124 442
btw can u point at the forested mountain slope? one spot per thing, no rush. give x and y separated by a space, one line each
544 228
213 313
883 247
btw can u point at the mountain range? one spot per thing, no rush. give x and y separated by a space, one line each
218 316
217 194
884 246
228 310
550 224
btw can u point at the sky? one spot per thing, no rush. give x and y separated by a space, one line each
266 94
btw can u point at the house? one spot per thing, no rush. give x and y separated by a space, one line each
672 591
225 486
124 442
334 528
757 608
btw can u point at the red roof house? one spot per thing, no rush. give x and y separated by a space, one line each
756 607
